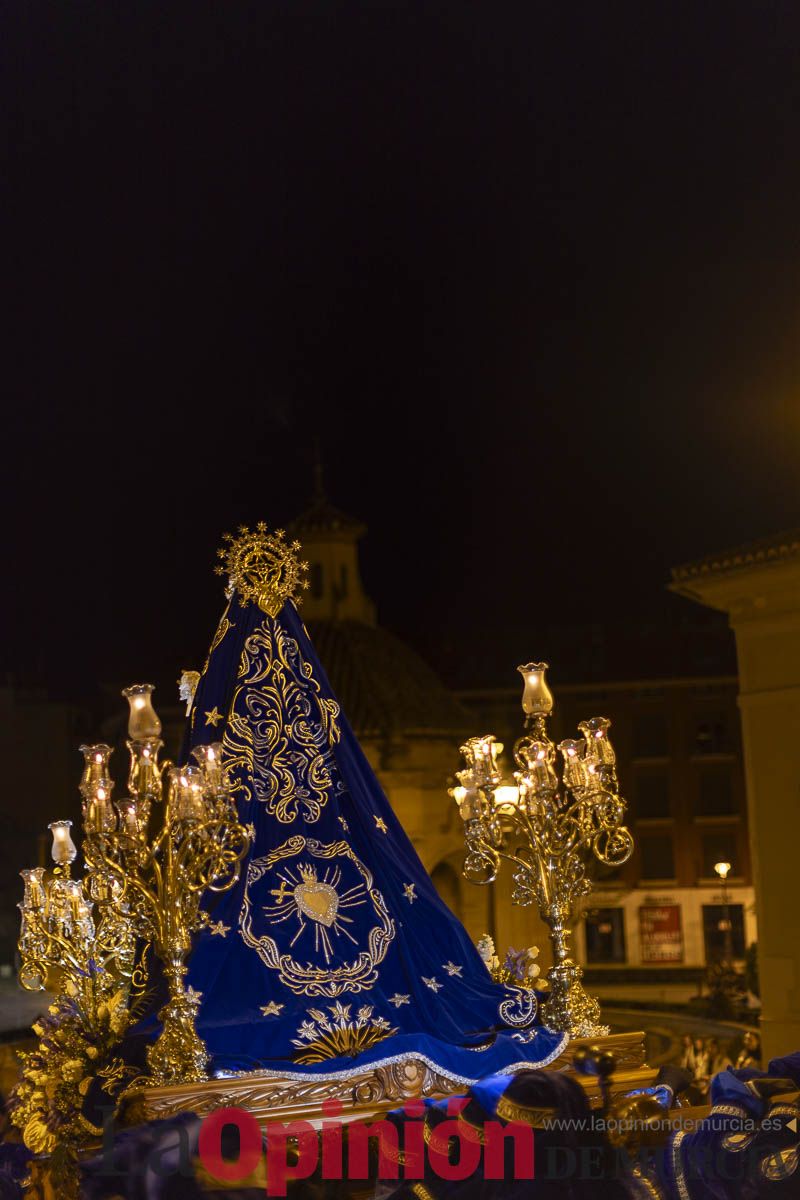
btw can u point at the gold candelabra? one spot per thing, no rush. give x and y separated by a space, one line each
548 830
60 933
145 887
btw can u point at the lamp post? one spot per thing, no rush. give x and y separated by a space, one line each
723 869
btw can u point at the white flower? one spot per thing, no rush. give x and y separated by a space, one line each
485 947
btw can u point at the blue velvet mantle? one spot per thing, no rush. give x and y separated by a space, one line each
334 949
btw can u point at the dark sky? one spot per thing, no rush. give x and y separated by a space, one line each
530 272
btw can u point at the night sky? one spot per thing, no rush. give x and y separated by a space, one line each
529 273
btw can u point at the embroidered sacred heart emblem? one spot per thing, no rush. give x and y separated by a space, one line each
318 901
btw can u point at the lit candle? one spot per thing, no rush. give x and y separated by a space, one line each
144 778
187 794
542 775
598 746
129 817
210 760
100 815
35 894
574 766
95 769
481 754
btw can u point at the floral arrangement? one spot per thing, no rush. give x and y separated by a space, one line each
78 1035
519 967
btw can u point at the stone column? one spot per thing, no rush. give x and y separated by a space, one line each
759 587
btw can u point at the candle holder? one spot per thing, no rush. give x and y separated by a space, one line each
141 887
547 830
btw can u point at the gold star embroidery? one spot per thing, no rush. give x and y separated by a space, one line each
410 894
432 983
452 968
397 999
272 1009
380 824
251 831
217 928
192 996
214 717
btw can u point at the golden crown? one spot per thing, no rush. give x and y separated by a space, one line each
263 567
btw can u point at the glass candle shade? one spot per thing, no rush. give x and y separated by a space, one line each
58 905
99 816
186 798
542 778
95 768
466 795
209 759
143 723
35 893
129 820
574 767
598 747
537 699
74 900
63 850
481 754
144 777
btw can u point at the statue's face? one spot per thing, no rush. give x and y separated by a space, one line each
187 685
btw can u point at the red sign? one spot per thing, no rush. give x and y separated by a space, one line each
660 933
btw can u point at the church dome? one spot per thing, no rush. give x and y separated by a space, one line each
384 687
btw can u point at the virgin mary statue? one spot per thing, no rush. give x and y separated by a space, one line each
334 951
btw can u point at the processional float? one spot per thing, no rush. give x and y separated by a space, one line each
252 926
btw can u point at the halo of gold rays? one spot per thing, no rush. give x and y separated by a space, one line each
304 883
263 567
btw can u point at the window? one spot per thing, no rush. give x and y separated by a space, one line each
651 794
605 935
316 580
657 857
723 931
715 792
719 846
712 734
650 737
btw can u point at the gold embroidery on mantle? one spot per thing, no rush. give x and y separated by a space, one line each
309 979
281 729
224 626
323 1037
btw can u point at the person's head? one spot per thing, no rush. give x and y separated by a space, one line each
712 1045
687 1041
750 1041
698 1043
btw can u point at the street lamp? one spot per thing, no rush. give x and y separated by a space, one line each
723 869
